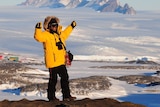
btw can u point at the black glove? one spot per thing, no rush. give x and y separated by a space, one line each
39 25
73 24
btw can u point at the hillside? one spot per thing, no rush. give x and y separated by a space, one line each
24 79
28 79
106 102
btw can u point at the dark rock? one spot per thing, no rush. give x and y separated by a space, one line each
80 86
157 72
106 102
154 84
140 79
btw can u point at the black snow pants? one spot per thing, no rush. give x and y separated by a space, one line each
64 80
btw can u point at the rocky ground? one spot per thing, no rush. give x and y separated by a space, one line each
106 102
11 72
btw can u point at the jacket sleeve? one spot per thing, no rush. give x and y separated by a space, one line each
39 35
67 31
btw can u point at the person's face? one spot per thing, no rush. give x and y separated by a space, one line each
54 26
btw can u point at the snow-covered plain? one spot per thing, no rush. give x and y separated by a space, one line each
98 36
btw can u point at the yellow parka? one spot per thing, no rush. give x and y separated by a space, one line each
53 56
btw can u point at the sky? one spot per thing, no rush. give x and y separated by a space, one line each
136 4
10 2
143 4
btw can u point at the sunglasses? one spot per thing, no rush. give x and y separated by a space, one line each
54 24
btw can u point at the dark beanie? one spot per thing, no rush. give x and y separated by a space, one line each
53 20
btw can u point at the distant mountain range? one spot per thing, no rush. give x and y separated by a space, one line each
98 5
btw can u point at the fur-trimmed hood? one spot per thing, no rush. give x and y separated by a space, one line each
48 19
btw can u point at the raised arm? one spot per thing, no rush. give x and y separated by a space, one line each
67 31
38 34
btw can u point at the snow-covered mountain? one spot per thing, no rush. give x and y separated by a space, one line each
98 5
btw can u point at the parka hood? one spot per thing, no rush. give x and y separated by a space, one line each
47 20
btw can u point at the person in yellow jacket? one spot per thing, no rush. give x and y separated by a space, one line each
53 39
